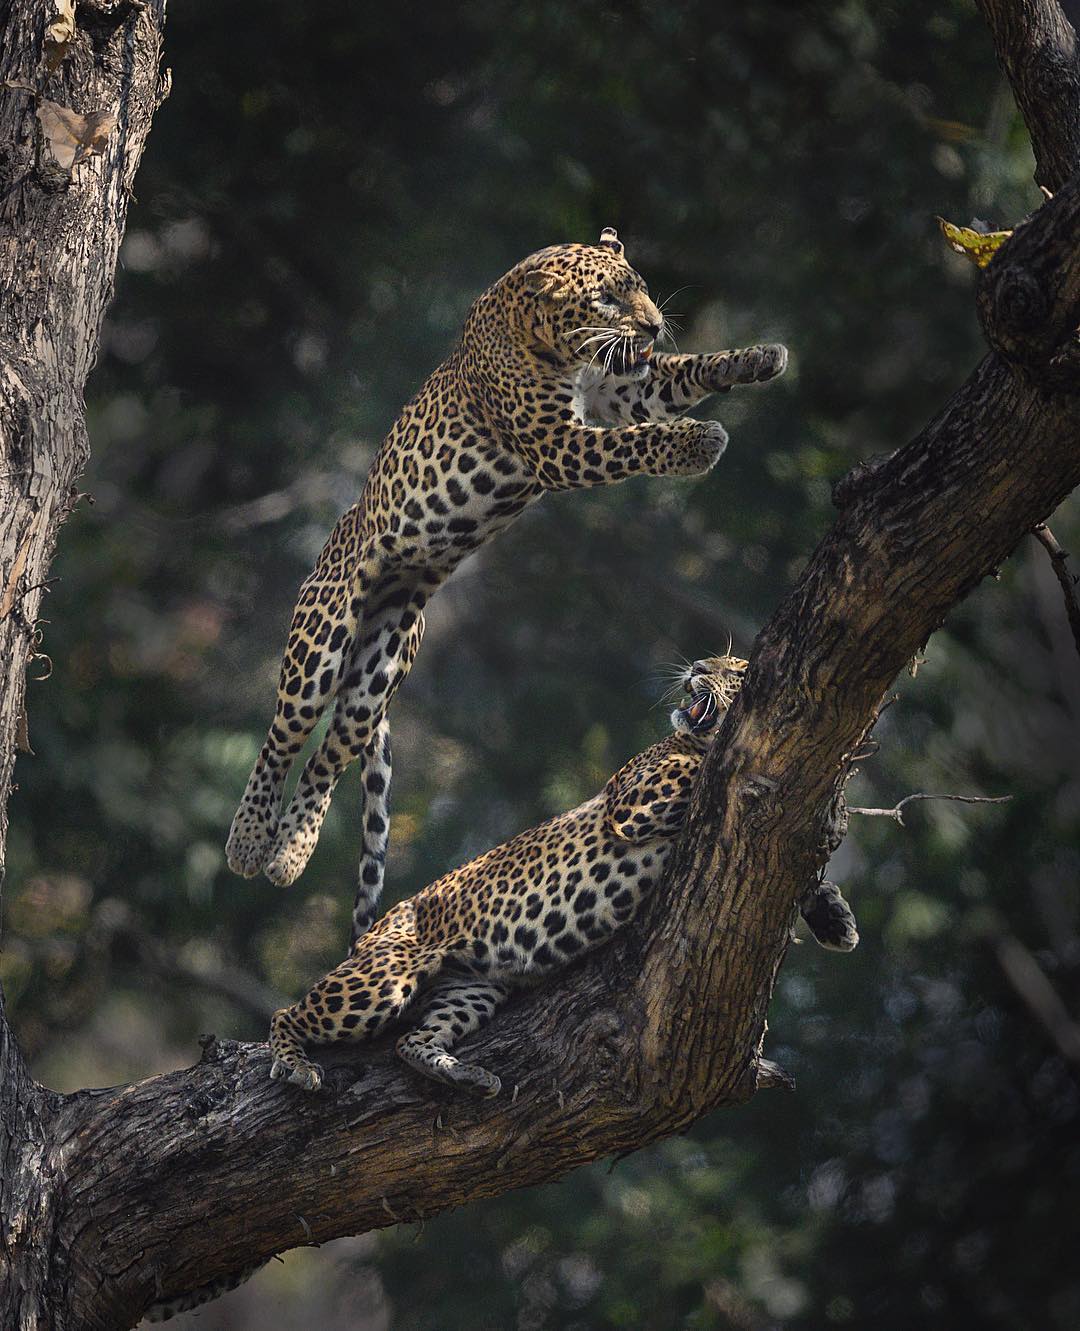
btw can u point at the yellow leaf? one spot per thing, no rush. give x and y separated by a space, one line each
70 136
978 246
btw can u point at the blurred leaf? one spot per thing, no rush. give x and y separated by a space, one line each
978 246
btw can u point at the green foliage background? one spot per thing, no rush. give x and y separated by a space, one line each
323 195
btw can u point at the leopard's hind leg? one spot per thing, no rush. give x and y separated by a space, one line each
380 659
324 627
458 1007
370 989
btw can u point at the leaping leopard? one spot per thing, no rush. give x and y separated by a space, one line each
554 385
525 909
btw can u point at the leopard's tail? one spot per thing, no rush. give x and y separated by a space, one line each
377 774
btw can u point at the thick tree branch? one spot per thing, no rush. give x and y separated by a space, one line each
166 1184
1037 48
60 230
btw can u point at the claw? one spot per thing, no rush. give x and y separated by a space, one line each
307 1078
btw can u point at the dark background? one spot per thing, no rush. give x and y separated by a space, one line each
323 195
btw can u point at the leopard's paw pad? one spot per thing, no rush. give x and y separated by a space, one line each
308 1078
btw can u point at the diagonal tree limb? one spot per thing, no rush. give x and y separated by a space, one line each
1037 48
1033 987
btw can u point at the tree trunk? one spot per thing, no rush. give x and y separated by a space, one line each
112 1199
76 100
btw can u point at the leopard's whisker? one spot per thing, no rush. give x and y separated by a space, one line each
610 356
596 353
596 337
686 287
666 334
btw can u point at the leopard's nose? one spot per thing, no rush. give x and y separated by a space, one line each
651 327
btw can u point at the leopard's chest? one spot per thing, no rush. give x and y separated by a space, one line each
545 901
440 495
600 399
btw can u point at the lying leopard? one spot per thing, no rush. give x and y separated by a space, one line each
524 909
554 385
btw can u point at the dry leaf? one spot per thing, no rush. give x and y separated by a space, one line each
22 734
70 136
59 33
978 246
18 567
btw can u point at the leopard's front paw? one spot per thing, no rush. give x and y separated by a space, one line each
701 449
829 917
307 1075
757 365
250 839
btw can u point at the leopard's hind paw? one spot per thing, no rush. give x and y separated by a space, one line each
288 861
307 1075
250 841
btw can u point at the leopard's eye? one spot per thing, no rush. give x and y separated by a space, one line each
609 297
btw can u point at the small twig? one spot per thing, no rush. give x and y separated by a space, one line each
1067 582
47 586
1040 997
113 920
896 812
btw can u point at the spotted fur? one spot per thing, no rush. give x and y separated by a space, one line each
553 386
164 1309
515 914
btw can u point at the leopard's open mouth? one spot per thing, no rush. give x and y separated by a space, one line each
711 686
701 713
632 357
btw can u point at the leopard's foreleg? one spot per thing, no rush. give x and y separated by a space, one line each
458 1008
579 457
829 917
677 383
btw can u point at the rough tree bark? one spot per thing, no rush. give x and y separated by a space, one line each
110 1199
76 100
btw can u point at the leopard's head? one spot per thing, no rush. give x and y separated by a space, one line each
710 685
587 307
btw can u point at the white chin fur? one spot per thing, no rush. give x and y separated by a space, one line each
678 722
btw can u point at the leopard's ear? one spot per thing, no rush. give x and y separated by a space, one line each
609 238
544 284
